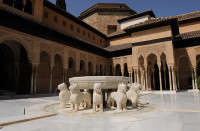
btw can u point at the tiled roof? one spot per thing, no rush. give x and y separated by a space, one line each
119 47
189 35
117 33
188 16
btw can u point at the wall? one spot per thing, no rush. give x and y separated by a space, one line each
188 27
67 28
101 20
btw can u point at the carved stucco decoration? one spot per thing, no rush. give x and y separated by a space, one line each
197 50
157 50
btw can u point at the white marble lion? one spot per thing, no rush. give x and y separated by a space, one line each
78 97
120 97
97 97
64 95
133 93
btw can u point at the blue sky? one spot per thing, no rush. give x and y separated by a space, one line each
161 8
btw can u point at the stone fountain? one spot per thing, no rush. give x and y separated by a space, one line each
98 90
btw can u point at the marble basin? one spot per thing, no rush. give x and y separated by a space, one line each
109 82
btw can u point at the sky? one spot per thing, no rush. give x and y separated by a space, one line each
161 8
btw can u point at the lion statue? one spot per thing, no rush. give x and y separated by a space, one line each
97 97
64 95
119 97
133 93
78 97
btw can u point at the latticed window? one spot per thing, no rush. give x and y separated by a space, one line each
55 19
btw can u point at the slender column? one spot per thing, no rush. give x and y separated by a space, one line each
193 81
195 77
146 75
135 75
131 77
64 74
153 71
32 79
50 88
164 70
173 79
138 80
35 79
160 77
170 79
178 79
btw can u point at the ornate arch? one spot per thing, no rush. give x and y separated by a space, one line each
28 44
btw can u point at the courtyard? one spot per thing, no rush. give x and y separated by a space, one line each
175 112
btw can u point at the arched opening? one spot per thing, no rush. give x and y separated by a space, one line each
90 69
57 72
126 70
8 2
71 72
43 73
105 69
111 71
164 72
18 4
185 74
15 69
198 65
153 72
82 68
118 70
28 7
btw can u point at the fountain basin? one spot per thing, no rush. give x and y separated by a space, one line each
108 82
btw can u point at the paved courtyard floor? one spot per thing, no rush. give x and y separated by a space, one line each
175 112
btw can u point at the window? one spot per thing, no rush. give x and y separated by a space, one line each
78 30
100 41
93 37
88 35
72 27
112 28
55 19
64 23
83 33
46 15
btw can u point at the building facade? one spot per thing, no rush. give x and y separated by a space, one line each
42 45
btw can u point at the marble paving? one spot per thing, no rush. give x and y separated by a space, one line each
175 112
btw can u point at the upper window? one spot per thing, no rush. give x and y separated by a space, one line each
46 15
64 23
93 37
78 29
83 33
88 35
55 19
72 27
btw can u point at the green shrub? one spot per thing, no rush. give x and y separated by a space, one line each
198 82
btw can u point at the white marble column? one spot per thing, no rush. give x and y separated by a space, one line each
178 85
50 88
193 81
146 79
195 77
33 79
170 78
153 72
160 78
135 75
164 70
173 79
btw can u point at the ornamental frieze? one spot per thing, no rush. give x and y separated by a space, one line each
157 50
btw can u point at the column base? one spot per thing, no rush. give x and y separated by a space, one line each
193 90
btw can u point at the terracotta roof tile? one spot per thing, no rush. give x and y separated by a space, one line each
119 47
189 35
